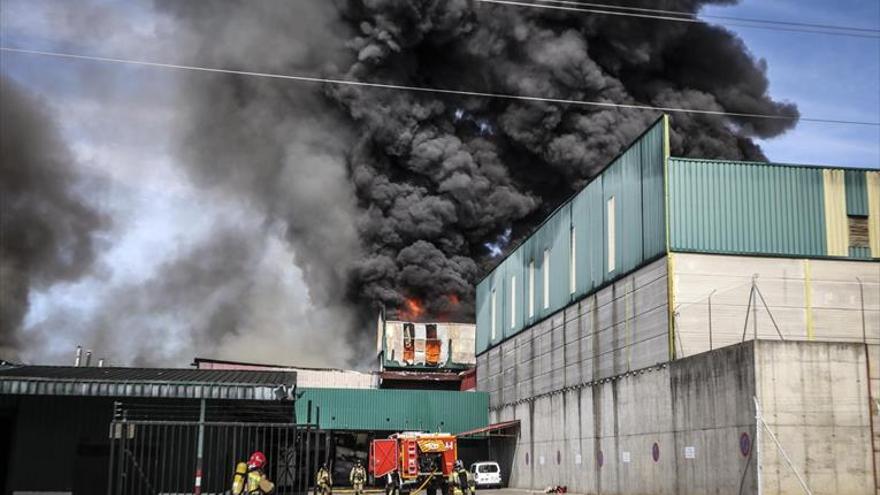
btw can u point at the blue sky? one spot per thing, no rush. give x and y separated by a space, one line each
831 77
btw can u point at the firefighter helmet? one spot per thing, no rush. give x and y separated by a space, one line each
257 460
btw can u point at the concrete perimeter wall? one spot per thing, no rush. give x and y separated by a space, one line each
814 397
600 438
620 328
699 412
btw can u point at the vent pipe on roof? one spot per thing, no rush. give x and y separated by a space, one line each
88 358
101 363
79 355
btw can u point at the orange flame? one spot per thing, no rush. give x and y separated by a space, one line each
413 309
453 299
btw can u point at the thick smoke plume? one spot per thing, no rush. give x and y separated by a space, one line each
47 233
437 178
402 199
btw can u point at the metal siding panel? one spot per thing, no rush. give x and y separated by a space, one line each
872 180
397 410
856 193
653 209
836 221
745 208
482 314
636 178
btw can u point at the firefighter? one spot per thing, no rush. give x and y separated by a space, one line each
358 477
460 480
250 479
454 483
323 481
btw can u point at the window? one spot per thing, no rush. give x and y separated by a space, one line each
858 232
545 270
612 233
431 331
513 301
572 266
531 288
494 304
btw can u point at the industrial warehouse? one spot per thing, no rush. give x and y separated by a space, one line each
640 330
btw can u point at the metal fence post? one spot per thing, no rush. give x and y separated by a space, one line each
200 449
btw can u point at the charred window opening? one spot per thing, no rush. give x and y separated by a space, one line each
431 331
409 342
858 231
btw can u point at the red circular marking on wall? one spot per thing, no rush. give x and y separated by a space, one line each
745 444
655 452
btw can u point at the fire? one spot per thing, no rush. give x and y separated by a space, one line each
453 299
413 309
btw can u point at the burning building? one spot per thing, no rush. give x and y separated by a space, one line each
426 354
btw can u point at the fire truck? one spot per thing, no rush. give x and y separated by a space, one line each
412 461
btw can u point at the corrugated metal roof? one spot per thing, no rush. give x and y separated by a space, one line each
396 410
305 377
143 382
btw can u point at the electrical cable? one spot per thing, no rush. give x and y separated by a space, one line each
423 89
698 16
673 18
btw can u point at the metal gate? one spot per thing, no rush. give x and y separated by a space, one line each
198 456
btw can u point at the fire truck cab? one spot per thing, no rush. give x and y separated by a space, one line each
413 461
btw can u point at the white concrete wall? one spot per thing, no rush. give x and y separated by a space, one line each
809 299
874 379
684 404
814 397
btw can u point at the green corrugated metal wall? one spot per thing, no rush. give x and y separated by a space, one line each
746 208
395 410
856 193
635 180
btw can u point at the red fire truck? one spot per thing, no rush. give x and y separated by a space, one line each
412 462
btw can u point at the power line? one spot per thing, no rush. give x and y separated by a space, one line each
422 89
708 16
673 18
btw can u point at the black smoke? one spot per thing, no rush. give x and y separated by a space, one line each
423 183
386 195
48 233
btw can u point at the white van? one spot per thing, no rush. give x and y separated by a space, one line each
486 474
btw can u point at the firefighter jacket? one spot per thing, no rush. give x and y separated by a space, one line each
358 475
323 477
250 481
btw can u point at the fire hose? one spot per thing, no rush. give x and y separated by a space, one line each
417 490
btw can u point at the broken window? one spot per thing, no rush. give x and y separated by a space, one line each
858 231
431 331
409 345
